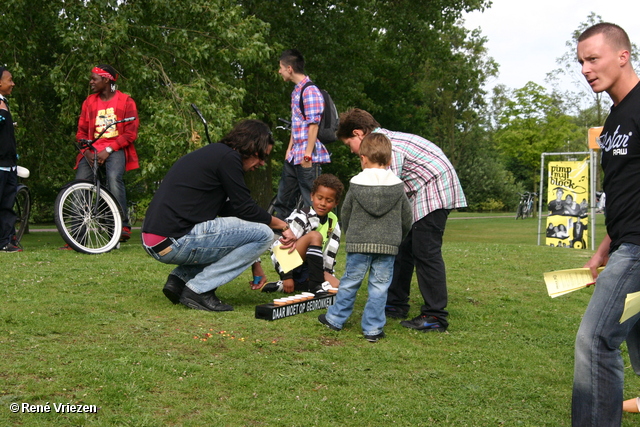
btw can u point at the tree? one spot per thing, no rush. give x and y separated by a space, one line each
533 122
410 63
167 57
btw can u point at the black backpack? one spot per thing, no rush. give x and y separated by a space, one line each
329 122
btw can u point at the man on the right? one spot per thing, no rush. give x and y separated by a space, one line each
604 51
433 189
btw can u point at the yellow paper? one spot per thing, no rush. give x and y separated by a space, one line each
631 306
564 281
288 261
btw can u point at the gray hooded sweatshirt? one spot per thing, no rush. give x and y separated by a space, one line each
376 214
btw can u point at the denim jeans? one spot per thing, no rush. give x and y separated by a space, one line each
380 274
8 189
216 252
294 181
599 369
115 167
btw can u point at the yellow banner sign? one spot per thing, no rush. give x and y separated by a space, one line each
568 197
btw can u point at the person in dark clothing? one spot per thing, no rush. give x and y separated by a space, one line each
604 51
203 219
8 167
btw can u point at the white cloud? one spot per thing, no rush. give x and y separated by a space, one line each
526 38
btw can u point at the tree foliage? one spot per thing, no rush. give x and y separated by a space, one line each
410 63
531 122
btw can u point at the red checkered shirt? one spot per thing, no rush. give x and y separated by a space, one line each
313 108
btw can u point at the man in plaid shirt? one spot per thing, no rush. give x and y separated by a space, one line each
305 153
433 188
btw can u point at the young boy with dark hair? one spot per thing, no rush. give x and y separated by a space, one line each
318 236
376 215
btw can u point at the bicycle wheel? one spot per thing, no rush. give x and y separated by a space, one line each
519 210
132 213
89 225
272 208
22 208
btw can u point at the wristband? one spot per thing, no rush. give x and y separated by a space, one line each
286 227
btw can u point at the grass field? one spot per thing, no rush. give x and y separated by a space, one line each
97 330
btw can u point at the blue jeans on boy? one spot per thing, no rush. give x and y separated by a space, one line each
114 167
216 252
380 274
599 369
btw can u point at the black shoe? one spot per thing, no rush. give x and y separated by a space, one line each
10 249
374 338
424 323
323 319
173 288
395 312
273 287
324 288
205 301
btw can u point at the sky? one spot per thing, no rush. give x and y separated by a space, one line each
525 38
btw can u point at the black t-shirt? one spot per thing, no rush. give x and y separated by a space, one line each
620 145
199 187
7 140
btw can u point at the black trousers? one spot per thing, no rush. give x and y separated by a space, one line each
8 189
422 249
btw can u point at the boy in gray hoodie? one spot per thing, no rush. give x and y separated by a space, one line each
376 215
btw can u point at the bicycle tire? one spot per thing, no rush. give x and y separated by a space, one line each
132 213
22 208
272 205
84 228
519 211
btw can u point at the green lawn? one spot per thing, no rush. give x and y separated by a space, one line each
97 330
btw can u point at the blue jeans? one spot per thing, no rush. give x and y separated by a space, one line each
216 252
380 274
599 369
115 167
294 181
8 189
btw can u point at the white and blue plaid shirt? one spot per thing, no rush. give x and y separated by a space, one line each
430 180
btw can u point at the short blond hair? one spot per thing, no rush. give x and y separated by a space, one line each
377 148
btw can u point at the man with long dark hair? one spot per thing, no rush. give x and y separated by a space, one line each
203 219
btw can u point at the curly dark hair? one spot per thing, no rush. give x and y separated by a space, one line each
330 181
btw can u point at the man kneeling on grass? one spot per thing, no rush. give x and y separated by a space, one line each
203 219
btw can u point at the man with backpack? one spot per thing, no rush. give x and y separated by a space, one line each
305 153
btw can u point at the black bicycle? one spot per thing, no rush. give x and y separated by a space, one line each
525 207
272 204
87 215
22 206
